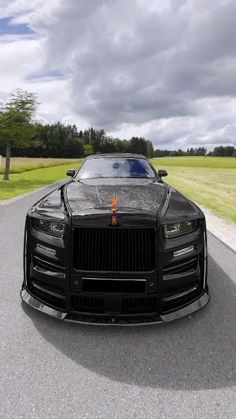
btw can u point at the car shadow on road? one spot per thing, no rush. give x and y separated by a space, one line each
197 352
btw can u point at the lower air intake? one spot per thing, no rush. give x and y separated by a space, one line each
119 305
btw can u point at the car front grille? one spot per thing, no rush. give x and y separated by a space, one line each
114 249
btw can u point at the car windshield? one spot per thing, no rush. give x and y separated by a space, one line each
115 168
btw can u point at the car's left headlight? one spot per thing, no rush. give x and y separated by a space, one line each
52 227
178 229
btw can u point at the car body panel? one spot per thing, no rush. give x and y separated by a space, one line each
140 194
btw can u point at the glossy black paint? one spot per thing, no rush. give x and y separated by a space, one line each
71 173
133 194
162 173
54 284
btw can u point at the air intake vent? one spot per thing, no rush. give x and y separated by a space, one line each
134 305
54 296
114 249
181 266
126 305
88 304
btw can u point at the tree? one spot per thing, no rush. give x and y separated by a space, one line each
223 151
150 149
201 151
138 145
88 149
16 126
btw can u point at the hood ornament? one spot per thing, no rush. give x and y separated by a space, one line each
114 209
114 203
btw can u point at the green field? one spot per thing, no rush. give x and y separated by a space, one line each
210 181
24 164
198 162
32 174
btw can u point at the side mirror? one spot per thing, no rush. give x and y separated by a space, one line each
70 172
162 172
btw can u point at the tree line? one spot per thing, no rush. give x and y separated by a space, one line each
58 140
221 151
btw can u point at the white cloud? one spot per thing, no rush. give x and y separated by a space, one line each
162 69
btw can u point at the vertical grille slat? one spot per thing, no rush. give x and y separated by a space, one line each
114 249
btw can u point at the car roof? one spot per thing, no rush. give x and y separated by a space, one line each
116 155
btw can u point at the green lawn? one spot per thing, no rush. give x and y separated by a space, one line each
189 161
20 183
23 164
210 181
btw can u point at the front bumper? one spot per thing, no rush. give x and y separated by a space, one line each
115 320
55 285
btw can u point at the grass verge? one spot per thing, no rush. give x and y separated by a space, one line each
214 188
28 181
24 164
206 162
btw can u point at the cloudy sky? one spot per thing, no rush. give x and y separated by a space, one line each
163 69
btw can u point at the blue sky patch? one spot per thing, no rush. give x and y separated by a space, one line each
8 28
50 73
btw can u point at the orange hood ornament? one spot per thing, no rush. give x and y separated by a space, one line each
114 217
114 203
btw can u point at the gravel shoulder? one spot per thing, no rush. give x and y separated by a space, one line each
222 229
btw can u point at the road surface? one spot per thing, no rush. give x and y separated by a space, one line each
50 369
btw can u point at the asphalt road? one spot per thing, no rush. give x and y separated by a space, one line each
50 369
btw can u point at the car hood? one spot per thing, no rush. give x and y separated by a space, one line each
144 195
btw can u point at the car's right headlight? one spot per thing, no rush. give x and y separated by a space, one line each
51 227
179 229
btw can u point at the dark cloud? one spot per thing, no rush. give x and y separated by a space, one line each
134 64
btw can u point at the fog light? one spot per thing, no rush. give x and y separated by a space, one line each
184 251
46 249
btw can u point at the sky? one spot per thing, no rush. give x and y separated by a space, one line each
162 69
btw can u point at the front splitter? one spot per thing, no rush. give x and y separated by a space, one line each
113 321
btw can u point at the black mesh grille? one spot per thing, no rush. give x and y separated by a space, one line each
88 304
114 249
129 305
139 305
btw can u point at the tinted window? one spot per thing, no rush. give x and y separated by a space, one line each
115 167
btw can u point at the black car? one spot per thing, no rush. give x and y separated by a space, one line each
115 245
